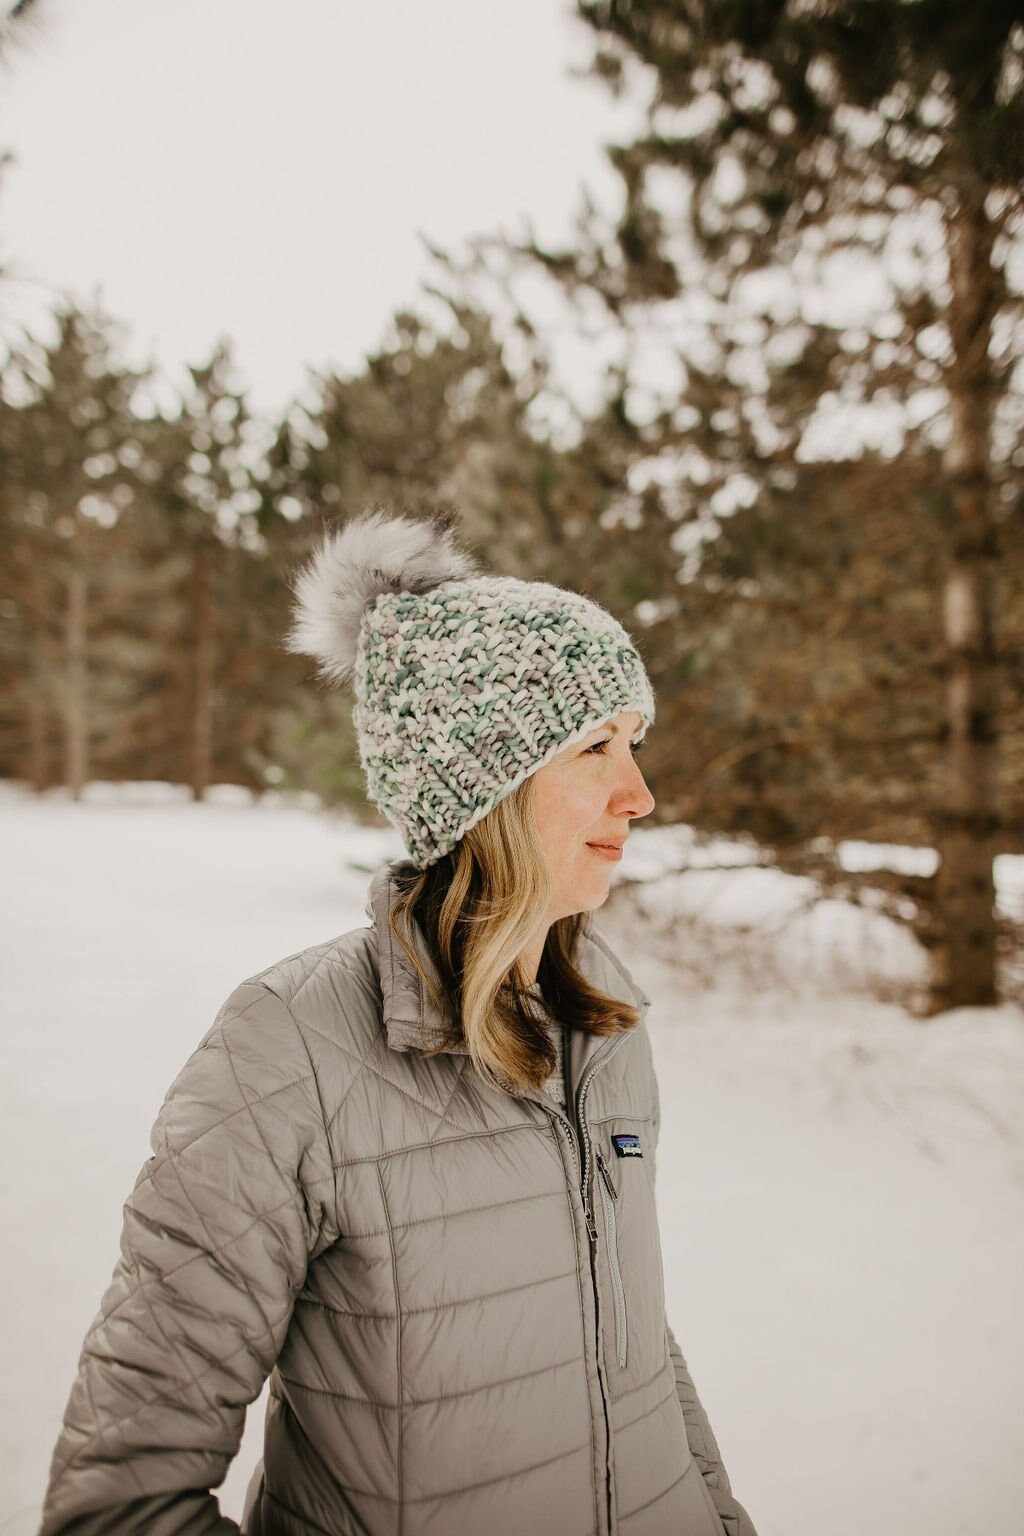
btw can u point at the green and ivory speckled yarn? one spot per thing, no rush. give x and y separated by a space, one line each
464 687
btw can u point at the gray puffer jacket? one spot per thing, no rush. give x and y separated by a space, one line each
457 1293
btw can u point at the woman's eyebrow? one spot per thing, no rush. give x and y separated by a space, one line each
611 726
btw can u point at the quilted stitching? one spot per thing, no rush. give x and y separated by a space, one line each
639 1508
460 1073
363 1065
440 1397
440 1306
504 1477
442 1141
469 1210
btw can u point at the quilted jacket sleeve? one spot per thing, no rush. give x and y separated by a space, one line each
704 1449
703 1445
217 1235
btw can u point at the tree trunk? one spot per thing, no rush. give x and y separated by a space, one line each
37 723
76 726
202 709
37 705
964 958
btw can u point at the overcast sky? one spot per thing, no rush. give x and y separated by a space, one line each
262 170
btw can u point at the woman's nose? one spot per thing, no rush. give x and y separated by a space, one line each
633 798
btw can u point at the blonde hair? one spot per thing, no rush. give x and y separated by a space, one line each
476 909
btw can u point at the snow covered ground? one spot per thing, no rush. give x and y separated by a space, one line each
841 1185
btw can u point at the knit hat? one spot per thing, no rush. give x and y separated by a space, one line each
465 683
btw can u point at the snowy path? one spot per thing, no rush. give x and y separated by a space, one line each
842 1189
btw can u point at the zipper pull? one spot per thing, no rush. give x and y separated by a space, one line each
607 1177
589 1216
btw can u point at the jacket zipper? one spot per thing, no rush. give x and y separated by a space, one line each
585 1178
584 1171
609 1195
581 1097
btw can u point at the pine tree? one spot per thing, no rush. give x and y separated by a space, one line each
434 417
67 491
781 143
201 481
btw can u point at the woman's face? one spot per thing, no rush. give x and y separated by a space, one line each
586 796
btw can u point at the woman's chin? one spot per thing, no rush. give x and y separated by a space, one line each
591 894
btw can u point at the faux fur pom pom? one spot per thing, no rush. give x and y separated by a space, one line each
377 552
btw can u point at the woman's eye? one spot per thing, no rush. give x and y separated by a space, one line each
634 746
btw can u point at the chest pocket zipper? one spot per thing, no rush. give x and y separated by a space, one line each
609 1195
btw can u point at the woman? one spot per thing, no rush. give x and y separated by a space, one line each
409 1173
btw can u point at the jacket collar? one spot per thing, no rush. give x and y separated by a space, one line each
410 1018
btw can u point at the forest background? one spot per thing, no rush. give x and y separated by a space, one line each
796 475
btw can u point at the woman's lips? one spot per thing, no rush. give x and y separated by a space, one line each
607 851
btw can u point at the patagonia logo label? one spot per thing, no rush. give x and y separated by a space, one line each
628 1146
